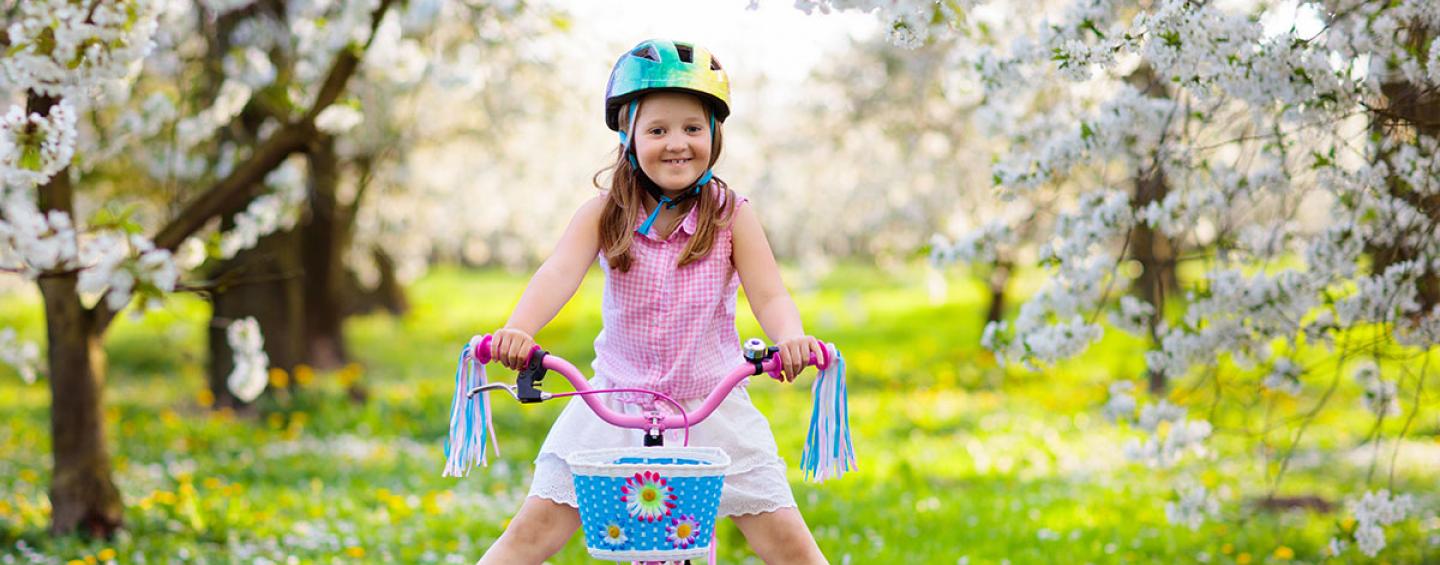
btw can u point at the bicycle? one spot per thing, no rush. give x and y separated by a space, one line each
676 489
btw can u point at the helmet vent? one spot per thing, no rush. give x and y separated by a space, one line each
646 52
714 64
687 54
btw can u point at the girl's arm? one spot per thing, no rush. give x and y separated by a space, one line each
769 300
551 287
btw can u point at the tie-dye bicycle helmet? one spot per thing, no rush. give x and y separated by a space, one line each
658 64
662 65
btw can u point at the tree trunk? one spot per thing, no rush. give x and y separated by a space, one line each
263 282
999 278
1156 255
323 244
389 293
1155 252
82 491
1410 110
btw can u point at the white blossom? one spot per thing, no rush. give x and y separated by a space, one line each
1374 511
1194 506
191 254
1284 377
1170 437
117 266
1121 404
1336 547
1380 396
338 118
228 103
250 66
23 356
60 48
393 58
1134 315
278 210
33 242
251 372
33 147
978 246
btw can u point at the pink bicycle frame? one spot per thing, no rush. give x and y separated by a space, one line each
653 421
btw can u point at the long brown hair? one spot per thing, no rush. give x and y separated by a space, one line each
626 198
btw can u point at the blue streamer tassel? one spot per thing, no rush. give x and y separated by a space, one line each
471 429
829 452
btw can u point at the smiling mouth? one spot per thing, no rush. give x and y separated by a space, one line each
679 162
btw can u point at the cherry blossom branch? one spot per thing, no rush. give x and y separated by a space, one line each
243 184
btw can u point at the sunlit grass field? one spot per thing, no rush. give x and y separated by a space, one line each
960 460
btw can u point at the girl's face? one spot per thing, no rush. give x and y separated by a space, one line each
672 139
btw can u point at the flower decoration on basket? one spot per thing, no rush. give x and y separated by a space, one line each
614 534
683 531
648 496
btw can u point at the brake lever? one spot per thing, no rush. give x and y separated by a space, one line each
507 387
532 376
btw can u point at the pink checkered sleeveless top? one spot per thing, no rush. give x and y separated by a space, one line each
669 329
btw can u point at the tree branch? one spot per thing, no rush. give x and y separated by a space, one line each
232 193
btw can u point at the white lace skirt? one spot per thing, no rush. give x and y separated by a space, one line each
754 483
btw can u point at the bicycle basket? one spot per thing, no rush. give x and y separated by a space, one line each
648 503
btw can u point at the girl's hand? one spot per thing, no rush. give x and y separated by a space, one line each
795 354
511 347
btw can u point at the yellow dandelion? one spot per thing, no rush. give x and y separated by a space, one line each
275 420
75 562
1284 553
90 560
212 483
1243 558
29 476
304 375
1227 549
349 374
205 398
106 554
355 551
279 378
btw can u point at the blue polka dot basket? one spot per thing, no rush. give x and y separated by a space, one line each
648 503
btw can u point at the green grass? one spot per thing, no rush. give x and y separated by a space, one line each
960 459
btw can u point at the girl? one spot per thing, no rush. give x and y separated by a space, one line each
672 239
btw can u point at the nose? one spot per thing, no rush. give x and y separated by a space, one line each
675 143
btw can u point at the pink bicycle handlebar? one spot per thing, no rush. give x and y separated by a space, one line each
770 365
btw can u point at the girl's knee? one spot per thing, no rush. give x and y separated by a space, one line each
540 529
780 537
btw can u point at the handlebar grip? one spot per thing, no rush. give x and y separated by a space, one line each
480 348
772 365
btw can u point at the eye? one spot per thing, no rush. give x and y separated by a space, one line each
656 131
694 129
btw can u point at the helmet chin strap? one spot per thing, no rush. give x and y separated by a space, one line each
660 198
